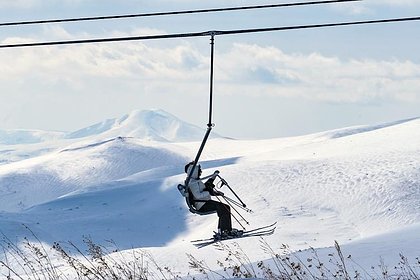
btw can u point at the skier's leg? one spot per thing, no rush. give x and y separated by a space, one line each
225 221
223 212
209 206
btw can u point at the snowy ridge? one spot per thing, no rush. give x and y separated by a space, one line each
150 125
358 189
92 130
337 133
156 125
21 136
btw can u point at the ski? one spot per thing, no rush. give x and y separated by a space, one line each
245 232
261 231
254 234
261 228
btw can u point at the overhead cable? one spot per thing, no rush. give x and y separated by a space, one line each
174 12
208 33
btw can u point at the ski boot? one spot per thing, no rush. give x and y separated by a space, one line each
217 236
227 234
234 233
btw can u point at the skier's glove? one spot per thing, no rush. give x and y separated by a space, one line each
215 174
218 193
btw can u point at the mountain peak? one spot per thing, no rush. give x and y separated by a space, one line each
153 124
145 117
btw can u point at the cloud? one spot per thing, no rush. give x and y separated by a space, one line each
28 4
318 77
181 66
17 3
109 60
396 2
376 6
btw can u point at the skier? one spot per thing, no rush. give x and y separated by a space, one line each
203 203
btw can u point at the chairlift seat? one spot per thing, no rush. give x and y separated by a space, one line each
189 198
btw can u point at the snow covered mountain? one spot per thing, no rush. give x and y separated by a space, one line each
22 136
156 125
149 125
359 186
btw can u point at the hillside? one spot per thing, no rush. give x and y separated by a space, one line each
361 189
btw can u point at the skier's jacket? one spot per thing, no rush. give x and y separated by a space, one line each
201 192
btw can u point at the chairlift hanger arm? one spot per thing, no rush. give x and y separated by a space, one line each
209 124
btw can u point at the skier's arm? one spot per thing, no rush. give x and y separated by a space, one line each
195 189
210 187
210 182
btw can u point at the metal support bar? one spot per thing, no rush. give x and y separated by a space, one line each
197 157
209 124
211 80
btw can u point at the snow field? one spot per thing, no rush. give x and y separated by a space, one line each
359 186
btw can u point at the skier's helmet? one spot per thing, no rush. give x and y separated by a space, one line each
197 169
187 166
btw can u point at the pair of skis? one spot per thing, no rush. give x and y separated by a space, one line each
261 231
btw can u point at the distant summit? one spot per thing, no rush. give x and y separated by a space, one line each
156 125
28 136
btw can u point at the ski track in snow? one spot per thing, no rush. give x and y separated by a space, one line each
353 185
360 194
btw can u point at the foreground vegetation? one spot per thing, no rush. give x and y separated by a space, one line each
32 260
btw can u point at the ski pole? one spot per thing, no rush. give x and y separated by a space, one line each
231 206
231 213
226 183
239 205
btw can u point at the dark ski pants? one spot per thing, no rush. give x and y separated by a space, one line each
223 211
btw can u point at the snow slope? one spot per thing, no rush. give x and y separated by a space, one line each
37 180
359 186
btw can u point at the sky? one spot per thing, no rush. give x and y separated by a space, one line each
267 85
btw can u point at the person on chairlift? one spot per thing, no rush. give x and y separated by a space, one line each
202 193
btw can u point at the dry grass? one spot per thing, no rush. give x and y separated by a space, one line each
32 260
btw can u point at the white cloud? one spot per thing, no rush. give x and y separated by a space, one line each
244 69
267 70
107 60
396 2
17 3
376 6
27 4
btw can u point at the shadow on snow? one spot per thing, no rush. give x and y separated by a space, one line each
136 213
